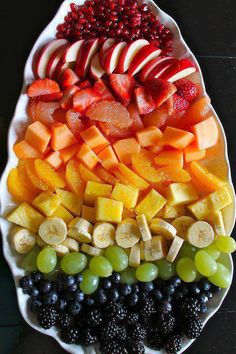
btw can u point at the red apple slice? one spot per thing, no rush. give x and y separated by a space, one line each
86 52
72 51
178 70
106 45
151 65
143 56
96 70
129 53
54 60
111 57
44 56
161 68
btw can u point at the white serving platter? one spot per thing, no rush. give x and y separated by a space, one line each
217 160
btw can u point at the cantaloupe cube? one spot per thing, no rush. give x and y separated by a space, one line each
24 150
47 203
63 213
127 194
94 139
54 159
108 210
38 136
181 194
108 158
71 201
151 204
62 137
87 156
88 213
125 148
69 152
207 133
192 153
94 190
176 138
201 209
220 198
172 212
149 136
26 216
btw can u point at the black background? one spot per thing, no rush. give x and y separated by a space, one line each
209 27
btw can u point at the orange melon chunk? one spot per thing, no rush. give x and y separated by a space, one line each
192 153
54 159
38 135
69 152
125 148
149 136
104 175
169 157
142 164
94 138
87 156
48 175
206 178
176 138
132 177
108 158
207 133
33 176
73 177
88 175
17 189
24 150
62 137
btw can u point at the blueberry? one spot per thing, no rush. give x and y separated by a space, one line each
33 292
136 289
175 281
106 284
100 296
50 298
36 276
78 278
125 289
115 278
73 288
178 295
35 304
45 286
203 308
209 295
89 301
61 304
165 307
205 284
74 308
113 294
148 287
169 290
68 281
195 288
26 283
132 299
202 298
158 294
79 296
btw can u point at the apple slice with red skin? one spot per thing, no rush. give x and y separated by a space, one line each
72 51
178 70
161 69
54 60
44 56
109 42
96 70
110 59
129 53
143 56
88 49
151 65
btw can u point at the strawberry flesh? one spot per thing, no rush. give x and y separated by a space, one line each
187 89
123 87
177 104
66 101
160 90
67 78
44 90
144 100
84 84
102 90
83 99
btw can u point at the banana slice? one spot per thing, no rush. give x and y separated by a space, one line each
40 242
61 250
141 246
218 223
80 229
103 234
162 227
53 231
92 251
200 234
155 249
143 227
182 224
71 244
174 249
127 233
134 256
22 240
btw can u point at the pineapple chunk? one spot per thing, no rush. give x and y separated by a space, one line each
71 201
218 223
88 213
63 213
181 194
26 216
220 198
172 212
108 210
127 194
201 209
150 205
94 190
47 203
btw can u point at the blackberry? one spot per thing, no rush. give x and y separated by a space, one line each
154 340
166 323
70 335
138 332
116 311
192 327
122 333
87 337
173 344
190 307
147 308
64 320
132 318
47 317
137 347
112 348
110 330
94 318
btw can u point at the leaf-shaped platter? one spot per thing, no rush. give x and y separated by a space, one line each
217 160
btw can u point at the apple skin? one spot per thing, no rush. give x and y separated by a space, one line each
72 50
178 70
143 56
84 57
161 68
111 57
109 42
54 60
96 70
128 54
151 65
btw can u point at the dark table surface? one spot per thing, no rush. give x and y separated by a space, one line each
209 27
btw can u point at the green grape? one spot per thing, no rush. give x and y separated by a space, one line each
128 276
187 250
186 269
166 270
146 272
205 264
90 282
226 244
100 266
30 260
213 251
47 260
117 257
73 263
53 275
221 277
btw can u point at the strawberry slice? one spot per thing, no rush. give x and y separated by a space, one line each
83 99
144 100
160 90
66 101
123 87
187 89
177 104
67 78
84 84
102 90
46 90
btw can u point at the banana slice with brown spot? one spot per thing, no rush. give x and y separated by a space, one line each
81 230
61 250
134 256
162 227
71 244
181 224
92 251
143 227
103 234
174 249
127 233
53 231
155 249
200 234
22 240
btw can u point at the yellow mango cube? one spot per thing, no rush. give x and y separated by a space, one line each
151 204
94 190
71 201
47 203
108 210
181 194
201 209
26 216
172 212
127 194
220 198
63 213
88 213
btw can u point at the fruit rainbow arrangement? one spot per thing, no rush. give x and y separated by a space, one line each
118 218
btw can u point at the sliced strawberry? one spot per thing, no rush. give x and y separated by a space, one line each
177 104
111 130
49 98
44 90
123 87
83 99
103 91
160 90
66 101
84 84
67 78
187 89
144 100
